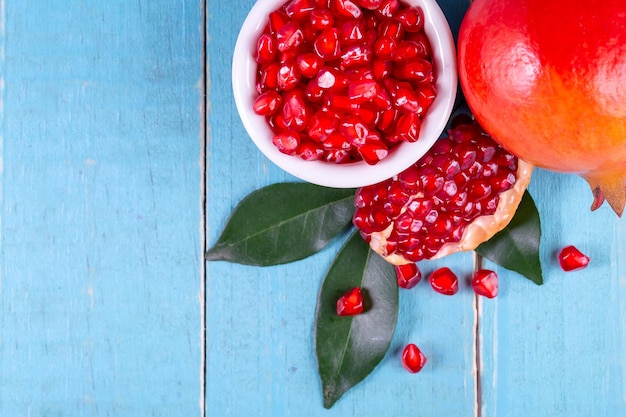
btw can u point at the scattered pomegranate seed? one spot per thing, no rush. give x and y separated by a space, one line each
485 283
351 303
364 58
413 359
571 259
444 281
408 275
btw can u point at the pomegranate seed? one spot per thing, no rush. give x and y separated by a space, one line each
381 68
336 141
408 275
322 19
295 111
326 45
408 127
322 124
330 78
369 4
388 8
287 142
297 9
351 31
385 47
345 9
338 156
310 151
363 90
407 50
351 303
267 103
387 120
373 152
266 49
277 19
413 359
422 39
572 259
313 92
289 36
485 283
425 97
355 55
444 281
391 28
268 78
288 76
368 116
404 98
412 19
416 69
309 64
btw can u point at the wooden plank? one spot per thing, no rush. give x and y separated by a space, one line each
559 349
260 352
101 247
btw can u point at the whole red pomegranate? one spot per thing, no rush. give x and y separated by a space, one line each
547 80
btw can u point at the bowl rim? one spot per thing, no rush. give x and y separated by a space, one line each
355 174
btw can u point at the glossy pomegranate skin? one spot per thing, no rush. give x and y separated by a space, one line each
547 79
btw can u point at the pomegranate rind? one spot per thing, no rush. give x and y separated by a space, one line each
480 230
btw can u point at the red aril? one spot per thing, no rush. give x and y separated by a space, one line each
444 281
408 275
485 283
413 359
364 58
287 142
350 303
266 49
572 259
267 103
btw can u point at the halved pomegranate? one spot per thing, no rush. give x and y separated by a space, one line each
461 193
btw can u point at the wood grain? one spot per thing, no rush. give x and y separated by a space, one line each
101 214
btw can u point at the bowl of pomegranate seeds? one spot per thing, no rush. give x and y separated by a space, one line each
344 93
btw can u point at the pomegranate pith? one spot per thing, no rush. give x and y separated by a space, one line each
525 66
413 359
462 192
572 259
367 61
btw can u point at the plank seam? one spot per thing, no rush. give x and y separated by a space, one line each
477 343
204 105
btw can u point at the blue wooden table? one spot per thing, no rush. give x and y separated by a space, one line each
121 157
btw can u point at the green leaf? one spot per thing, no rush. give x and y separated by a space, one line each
348 348
516 247
283 223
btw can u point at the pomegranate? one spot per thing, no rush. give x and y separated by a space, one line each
458 195
548 81
343 81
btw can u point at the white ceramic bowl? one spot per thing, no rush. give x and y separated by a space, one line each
355 174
